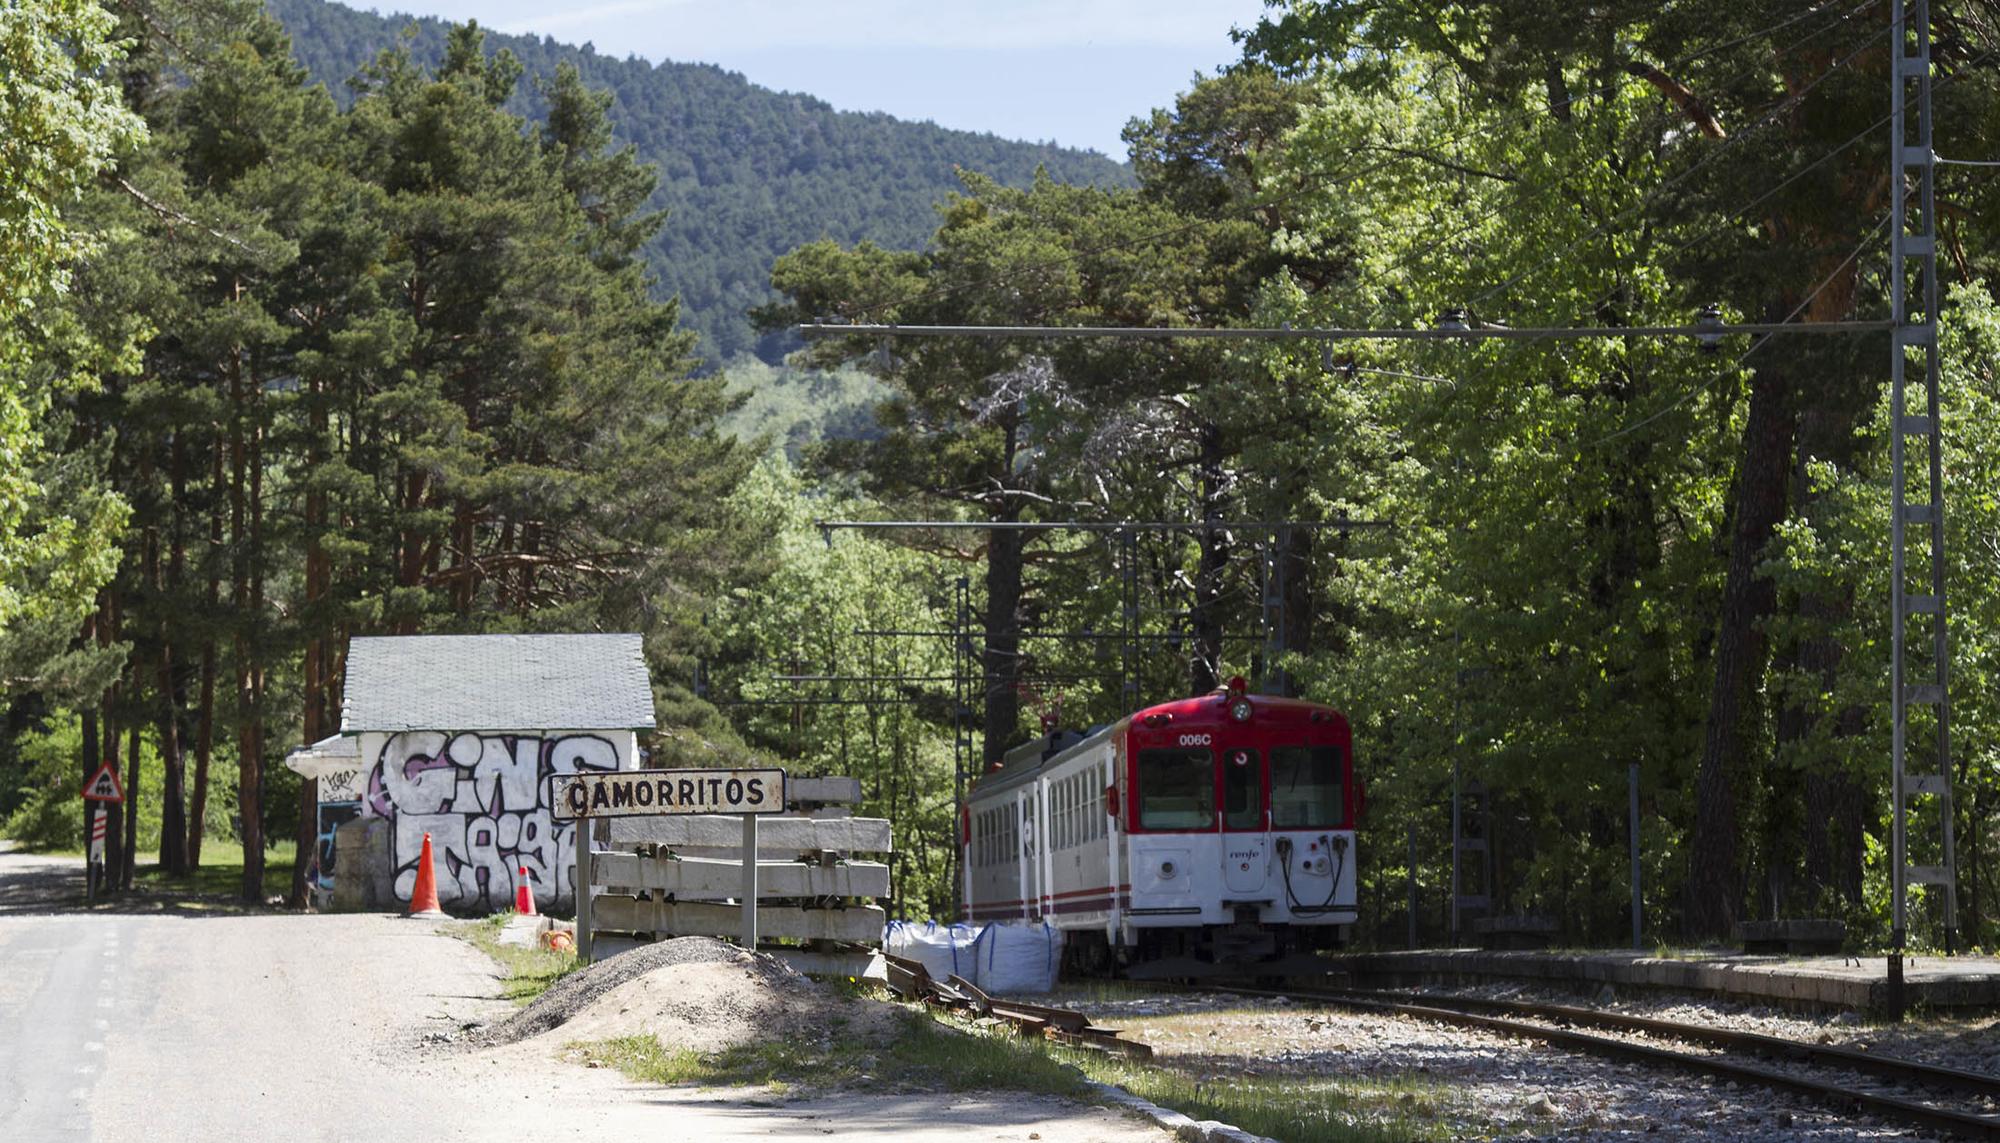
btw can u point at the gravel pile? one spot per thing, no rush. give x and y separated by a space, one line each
573 993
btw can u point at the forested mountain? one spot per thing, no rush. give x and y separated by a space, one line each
745 173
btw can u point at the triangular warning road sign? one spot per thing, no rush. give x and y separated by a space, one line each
104 786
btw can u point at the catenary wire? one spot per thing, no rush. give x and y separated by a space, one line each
1720 374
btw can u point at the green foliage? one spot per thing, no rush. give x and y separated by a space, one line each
796 410
61 123
48 812
806 618
744 173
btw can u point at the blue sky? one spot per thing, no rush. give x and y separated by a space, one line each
1069 72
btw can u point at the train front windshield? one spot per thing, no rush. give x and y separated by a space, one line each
1177 789
1306 790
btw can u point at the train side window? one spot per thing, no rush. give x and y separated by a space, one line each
1305 787
1177 789
1242 788
1063 839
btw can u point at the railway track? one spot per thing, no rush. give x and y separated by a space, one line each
1947 1090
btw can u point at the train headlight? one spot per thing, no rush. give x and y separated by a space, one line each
1166 871
1239 699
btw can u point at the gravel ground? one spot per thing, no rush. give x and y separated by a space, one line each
1490 1085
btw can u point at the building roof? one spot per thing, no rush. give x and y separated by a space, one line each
328 755
497 682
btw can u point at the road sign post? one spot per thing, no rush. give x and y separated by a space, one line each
103 787
589 795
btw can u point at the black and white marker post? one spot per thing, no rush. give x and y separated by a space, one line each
103 787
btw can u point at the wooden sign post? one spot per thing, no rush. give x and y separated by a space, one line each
589 795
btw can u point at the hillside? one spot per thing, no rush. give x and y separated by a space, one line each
746 173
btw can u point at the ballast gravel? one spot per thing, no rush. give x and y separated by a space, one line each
1481 1084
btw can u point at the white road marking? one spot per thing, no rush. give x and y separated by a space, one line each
104 1002
101 1024
93 1046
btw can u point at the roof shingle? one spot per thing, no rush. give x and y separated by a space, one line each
497 682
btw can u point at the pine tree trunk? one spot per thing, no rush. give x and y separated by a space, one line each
114 825
1295 563
173 809
173 813
205 723
1002 660
1205 668
1715 880
128 864
87 739
114 822
252 736
87 748
314 714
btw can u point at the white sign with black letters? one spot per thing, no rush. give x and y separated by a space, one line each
630 793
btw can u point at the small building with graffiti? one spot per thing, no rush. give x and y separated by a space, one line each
456 736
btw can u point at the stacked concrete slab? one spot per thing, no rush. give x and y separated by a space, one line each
683 876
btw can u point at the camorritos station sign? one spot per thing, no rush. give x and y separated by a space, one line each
631 793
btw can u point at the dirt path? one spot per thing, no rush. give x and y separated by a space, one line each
280 1026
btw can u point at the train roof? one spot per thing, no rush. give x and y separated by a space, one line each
1214 707
1024 762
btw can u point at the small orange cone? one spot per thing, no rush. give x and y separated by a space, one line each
424 894
524 895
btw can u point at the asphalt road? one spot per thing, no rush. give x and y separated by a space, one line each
197 1024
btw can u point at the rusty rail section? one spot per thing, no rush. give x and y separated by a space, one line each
912 981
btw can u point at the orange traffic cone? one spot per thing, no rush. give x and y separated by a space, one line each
524 895
424 894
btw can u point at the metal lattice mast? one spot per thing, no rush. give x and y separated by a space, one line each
1919 673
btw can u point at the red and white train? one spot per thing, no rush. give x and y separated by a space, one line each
1209 835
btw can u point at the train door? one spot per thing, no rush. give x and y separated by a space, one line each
1246 828
1031 871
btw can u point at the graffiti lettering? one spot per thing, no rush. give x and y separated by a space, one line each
479 797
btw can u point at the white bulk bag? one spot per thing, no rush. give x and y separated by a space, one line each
943 950
1019 957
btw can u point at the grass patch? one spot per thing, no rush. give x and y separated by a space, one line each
528 971
931 1054
218 878
923 1056
1297 1109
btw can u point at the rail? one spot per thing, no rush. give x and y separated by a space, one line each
912 981
1455 1010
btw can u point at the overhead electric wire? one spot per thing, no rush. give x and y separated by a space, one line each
1721 374
1252 209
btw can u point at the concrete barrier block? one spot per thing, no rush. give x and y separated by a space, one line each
699 878
860 924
